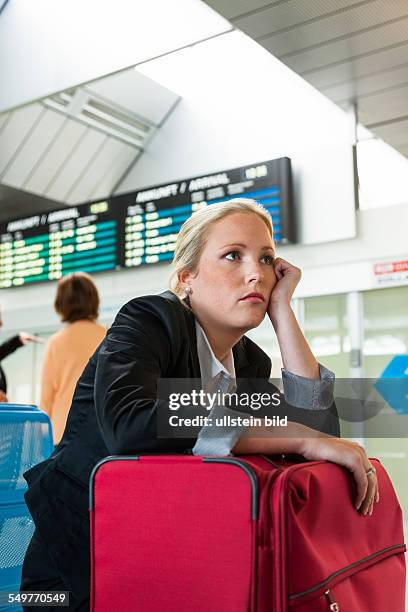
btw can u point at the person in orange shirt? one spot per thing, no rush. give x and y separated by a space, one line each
68 351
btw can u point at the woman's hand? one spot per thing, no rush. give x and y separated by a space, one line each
352 456
288 277
295 351
26 338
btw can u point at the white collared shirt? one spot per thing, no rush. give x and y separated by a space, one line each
215 376
210 366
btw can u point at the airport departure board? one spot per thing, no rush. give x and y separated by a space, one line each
136 228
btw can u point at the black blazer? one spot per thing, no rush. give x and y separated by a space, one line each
114 407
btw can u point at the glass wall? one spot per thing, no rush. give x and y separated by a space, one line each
325 327
385 328
386 335
23 371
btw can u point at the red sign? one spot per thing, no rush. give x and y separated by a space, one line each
391 267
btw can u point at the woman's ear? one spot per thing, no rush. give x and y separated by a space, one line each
184 278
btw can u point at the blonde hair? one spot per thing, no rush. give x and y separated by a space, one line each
193 234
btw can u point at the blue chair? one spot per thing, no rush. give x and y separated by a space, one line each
25 440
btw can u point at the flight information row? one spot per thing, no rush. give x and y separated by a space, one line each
133 229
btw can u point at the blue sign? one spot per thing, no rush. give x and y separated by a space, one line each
393 384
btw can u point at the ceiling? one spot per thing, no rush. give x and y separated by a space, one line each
353 51
78 145
15 199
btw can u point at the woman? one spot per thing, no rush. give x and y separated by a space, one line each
225 263
68 351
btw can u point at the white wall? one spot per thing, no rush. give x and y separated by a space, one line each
48 45
240 105
348 265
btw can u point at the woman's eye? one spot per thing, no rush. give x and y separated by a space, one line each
268 259
232 255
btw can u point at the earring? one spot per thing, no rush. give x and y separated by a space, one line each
188 290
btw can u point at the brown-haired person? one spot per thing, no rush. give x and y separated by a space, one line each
68 351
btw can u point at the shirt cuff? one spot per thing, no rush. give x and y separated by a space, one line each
219 439
307 393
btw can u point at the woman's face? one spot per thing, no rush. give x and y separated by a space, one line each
237 260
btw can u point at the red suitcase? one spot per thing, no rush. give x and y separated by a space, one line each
241 534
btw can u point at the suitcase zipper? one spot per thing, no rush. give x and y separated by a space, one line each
388 549
269 460
333 605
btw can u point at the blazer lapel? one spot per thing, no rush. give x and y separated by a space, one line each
243 367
